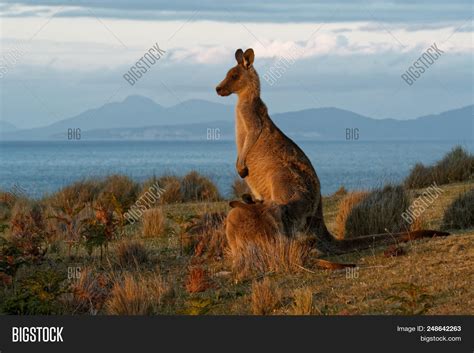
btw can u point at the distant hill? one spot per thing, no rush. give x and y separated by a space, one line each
133 112
139 118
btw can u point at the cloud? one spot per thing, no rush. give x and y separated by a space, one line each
249 10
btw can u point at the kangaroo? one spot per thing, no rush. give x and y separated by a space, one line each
278 173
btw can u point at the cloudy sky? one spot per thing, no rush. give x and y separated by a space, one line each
59 58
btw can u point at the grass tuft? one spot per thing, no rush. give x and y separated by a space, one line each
154 223
277 254
265 297
131 253
137 295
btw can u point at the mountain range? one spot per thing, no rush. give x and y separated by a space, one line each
140 118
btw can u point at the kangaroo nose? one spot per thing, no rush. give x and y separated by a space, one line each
218 89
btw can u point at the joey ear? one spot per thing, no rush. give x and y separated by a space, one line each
239 56
249 56
234 204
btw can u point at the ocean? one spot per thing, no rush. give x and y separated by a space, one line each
42 167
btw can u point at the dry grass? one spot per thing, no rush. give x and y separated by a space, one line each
26 217
131 253
197 280
89 292
380 211
211 233
460 214
419 223
342 191
153 223
345 207
303 302
137 295
265 297
270 255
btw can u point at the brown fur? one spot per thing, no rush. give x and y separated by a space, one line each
277 172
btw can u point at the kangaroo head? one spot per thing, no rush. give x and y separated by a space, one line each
242 77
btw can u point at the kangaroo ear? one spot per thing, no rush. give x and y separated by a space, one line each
249 56
234 204
239 56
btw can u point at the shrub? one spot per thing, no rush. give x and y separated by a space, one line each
131 253
380 211
151 193
456 166
240 187
37 294
7 200
345 207
196 187
137 295
97 231
171 186
153 222
26 216
460 214
28 232
121 189
66 218
10 261
274 254
265 297
78 193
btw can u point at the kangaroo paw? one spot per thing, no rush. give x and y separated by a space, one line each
243 172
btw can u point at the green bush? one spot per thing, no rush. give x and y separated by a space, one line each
460 214
118 190
37 294
196 187
378 212
456 166
169 189
78 193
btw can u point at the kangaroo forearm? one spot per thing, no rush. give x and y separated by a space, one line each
249 142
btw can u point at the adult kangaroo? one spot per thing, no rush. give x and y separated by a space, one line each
278 173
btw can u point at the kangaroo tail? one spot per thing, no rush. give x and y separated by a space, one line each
375 240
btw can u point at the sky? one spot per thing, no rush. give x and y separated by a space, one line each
59 58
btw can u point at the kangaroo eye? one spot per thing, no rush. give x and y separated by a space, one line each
235 76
